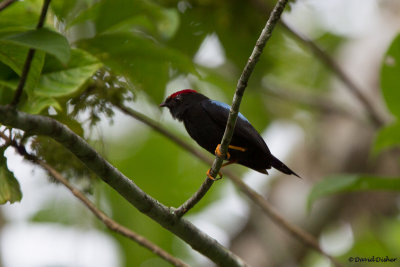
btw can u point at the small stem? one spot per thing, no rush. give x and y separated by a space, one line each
336 69
29 58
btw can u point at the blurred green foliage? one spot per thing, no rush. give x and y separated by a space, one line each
93 54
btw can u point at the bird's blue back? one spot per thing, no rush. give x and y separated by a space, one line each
228 108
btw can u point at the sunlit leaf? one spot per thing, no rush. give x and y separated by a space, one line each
351 183
20 13
388 136
9 186
45 40
390 83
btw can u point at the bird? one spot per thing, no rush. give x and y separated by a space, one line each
205 121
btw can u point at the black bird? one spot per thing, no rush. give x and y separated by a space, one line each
205 121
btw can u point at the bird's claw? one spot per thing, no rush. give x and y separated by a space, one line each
219 153
212 178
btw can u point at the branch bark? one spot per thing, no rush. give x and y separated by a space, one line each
110 223
198 240
5 4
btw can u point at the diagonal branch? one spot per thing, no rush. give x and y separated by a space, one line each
292 229
29 58
6 3
374 116
195 198
110 223
198 240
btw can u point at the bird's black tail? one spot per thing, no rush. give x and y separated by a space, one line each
277 164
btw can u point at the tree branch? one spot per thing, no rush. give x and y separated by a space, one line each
110 223
198 240
6 3
29 58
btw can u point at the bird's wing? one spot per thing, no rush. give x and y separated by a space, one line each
219 113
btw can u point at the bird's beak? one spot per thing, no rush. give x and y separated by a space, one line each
163 104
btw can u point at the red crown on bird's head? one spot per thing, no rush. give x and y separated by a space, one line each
185 91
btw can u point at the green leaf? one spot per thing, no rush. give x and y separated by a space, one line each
351 183
145 63
9 186
13 55
61 80
390 82
20 13
45 40
387 137
57 80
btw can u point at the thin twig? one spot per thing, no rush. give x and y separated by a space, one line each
195 198
374 116
322 104
6 3
29 58
110 223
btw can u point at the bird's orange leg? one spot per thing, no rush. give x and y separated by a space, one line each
219 154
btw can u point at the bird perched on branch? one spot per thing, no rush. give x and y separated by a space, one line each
205 121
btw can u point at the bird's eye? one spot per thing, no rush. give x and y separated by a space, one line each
178 98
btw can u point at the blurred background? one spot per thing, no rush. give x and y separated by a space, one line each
307 114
